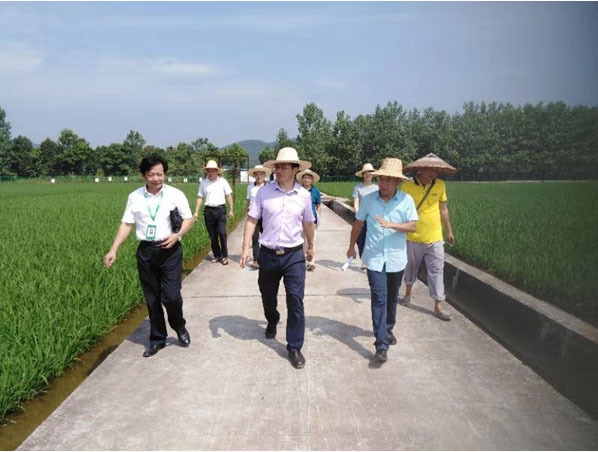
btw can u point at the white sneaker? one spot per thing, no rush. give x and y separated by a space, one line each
405 301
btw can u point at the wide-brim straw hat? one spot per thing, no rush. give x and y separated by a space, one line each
431 161
288 155
212 165
391 167
366 167
307 172
259 168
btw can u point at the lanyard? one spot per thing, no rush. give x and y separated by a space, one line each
153 217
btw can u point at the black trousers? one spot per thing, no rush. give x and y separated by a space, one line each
160 275
255 240
215 219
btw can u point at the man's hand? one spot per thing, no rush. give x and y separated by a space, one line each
109 258
382 222
450 238
169 241
231 214
351 252
244 257
309 254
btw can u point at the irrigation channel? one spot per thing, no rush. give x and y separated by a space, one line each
17 426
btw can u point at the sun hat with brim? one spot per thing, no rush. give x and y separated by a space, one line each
367 167
259 168
391 167
212 165
307 172
431 161
288 155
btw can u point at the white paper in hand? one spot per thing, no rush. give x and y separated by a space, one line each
346 264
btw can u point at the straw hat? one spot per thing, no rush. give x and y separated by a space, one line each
391 167
431 161
259 168
307 172
288 155
366 167
212 165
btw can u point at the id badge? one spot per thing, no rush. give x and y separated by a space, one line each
150 233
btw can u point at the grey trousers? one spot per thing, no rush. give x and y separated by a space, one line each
433 253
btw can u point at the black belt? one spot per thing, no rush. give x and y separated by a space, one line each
154 244
281 251
215 207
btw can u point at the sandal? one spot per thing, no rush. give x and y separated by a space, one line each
224 261
215 260
442 315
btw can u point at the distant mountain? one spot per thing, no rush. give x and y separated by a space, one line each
253 148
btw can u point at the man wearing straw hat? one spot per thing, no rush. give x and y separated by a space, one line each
359 191
215 190
426 242
285 210
389 214
259 173
307 178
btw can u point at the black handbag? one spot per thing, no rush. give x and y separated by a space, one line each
176 221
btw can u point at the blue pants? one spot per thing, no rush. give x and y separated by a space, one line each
291 268
385 297
361 239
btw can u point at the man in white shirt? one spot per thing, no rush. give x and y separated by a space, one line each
159 255
215 190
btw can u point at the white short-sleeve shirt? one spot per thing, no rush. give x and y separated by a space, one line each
252 190
214 192
141 203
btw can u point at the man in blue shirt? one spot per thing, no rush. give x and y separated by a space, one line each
307 178
389 215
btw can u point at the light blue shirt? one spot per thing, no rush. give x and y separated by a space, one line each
360 190
385 245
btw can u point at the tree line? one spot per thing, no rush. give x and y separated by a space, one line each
484 141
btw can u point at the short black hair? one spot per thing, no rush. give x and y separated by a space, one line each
148 162
295 165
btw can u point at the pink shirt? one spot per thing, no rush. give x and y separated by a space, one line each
282 214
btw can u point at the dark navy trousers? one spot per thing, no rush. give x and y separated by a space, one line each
290 268
385 297
160 275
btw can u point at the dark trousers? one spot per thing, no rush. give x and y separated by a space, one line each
361 239
385 296
291 268
160 275
215 218
255 240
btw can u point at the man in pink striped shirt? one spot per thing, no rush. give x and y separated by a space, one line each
285 210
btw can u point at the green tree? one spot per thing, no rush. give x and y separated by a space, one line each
267 154
4 143
49 156
345 150
75 154
21 158
315 137
133 146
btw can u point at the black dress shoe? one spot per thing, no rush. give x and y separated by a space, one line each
381 356
153 349
297 359
271 331
392 340
184 337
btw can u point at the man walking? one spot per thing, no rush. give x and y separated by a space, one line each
429 194
215 190
307 178
159 255
389 215
285 210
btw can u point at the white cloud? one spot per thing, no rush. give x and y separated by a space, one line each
171 67
16 58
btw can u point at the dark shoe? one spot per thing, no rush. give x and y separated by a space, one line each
184 337
392 340
381 356
297 359
153 349
271 331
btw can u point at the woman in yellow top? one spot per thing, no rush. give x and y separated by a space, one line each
426 242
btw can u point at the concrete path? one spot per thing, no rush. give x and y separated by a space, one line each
446 385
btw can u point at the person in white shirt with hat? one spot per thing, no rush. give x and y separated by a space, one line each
259 173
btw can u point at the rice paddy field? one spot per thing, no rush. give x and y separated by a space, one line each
57 299
539 237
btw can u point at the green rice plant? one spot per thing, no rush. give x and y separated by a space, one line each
535 236
57 298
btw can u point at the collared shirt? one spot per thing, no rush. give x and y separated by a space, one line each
282 214
252 190
360 190
316 200
385 245
429 226
138 203
214 192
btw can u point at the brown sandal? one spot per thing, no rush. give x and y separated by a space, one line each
224 261
215 260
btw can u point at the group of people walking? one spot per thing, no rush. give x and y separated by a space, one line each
398 223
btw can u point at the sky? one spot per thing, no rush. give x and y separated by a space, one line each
232 71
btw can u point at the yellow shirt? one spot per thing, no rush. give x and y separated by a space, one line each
429 226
